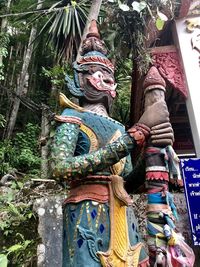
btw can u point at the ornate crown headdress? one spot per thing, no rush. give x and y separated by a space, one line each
93 49
93 52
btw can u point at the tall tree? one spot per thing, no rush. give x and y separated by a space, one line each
4 38
22 81
5 20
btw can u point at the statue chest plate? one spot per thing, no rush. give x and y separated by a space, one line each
105 129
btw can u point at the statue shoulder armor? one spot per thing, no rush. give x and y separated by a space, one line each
69 116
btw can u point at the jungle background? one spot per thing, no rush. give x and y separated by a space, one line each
39 40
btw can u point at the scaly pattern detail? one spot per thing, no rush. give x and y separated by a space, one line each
66 166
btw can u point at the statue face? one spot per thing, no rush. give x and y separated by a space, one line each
98 85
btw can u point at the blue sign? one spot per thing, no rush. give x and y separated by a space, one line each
191 176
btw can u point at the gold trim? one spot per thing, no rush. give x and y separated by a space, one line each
94 143
120 253
192 23
117 168
65 102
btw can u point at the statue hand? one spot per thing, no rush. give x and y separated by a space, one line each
162 135
155 114
139 132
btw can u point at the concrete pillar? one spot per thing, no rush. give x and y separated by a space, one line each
191 67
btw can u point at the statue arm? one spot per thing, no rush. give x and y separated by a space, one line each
65 165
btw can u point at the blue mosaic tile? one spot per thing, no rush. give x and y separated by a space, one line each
101 228
80 243
93 214
133 226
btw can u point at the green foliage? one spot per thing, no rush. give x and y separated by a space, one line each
26 146
28 139
125 26
2 121
56 74
2 3
63 24
20 5
3 260
139 6
27 160
17 228
126 23
160 21
136 6
13 214
121 106
7 157
22 152
159 24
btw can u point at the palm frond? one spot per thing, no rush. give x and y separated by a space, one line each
64 28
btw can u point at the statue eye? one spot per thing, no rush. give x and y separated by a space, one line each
97 74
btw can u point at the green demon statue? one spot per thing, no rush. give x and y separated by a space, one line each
91 152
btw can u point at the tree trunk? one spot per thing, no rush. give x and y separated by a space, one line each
4 23
93 15
43 141
5 20
23 80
